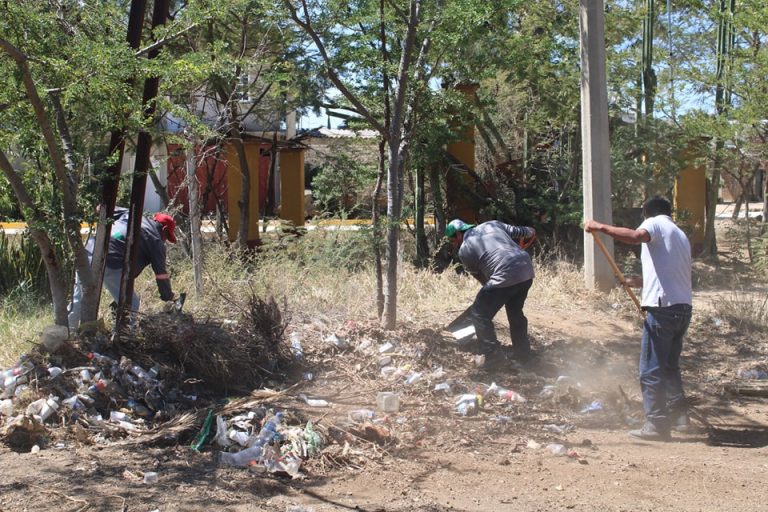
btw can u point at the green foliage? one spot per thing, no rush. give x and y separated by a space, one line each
344 184
21 267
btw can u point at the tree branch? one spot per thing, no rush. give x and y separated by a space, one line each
307 27
167 39
65 136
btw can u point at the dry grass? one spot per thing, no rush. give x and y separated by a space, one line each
313 280
745 311
20 326
325 292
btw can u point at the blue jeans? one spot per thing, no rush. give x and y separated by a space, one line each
488 302
660 380
112 284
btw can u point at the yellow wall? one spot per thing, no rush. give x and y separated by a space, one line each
463 151
292 185
235 187
690 201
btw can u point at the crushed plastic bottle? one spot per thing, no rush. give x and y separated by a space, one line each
298 352
413 377
595 406
312 439
269 433
386 348
443 386
558 450
139 409
468 404
314 402
337 342
361 415
505 394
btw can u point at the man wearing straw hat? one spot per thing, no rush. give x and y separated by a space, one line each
489 252
666 300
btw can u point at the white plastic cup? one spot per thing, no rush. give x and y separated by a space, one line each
49 407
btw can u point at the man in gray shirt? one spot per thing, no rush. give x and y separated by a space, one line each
491 254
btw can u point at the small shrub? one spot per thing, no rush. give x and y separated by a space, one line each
744 311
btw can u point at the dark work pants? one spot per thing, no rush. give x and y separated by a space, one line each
487 303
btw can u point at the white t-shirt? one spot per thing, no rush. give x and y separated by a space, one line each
666 260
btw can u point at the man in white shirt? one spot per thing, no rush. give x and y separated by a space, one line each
667 298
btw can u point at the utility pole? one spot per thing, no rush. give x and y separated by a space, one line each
596 165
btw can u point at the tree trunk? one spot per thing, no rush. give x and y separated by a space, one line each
709 246
376 221
737 205
245 195
422 246
765 198
437 198
394 210
194 218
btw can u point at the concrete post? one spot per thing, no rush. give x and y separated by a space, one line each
594 141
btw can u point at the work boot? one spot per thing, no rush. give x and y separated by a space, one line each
649 432
680 421
491 360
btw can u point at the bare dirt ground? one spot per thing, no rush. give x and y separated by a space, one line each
437 460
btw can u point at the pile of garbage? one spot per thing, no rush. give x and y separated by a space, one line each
109 395
261 441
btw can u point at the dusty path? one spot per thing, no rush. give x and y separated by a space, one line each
444 462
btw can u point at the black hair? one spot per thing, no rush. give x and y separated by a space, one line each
657 205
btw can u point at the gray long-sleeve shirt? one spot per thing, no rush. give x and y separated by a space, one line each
490 253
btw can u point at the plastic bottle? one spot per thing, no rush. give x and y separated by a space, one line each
267 434
100 358
298 352
98 388
413 378
139 409
361 415
73 403
314 402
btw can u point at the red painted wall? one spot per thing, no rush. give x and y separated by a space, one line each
211 177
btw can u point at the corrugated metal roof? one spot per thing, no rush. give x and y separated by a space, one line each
338 133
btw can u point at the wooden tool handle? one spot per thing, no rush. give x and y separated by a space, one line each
619 274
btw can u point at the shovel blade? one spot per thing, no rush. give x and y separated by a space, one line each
462 328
